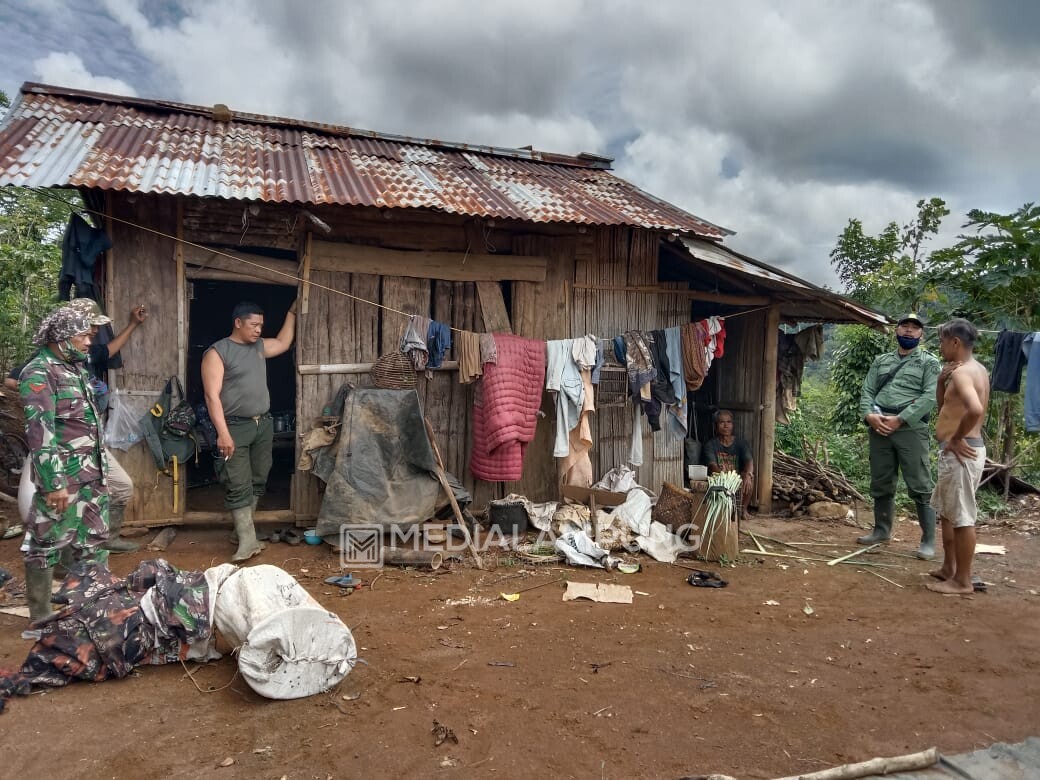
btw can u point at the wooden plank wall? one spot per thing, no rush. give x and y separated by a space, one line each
542 310
340 330
739 381
619 257
143 269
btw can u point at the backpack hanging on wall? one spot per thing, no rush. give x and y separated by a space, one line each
170 432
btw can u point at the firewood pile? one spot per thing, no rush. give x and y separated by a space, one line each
804 482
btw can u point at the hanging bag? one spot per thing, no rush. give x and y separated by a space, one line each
179 421
165 441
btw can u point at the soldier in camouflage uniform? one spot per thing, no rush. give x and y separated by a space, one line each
62 427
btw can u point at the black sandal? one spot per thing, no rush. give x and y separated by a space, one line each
706 579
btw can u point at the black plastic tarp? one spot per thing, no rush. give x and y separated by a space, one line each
385 467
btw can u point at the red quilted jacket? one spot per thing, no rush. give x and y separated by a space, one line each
509 396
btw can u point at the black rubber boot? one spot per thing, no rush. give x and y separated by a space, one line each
115 544
884 514
926 519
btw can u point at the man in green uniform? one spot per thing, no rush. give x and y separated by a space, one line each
234 377
62 427
897 398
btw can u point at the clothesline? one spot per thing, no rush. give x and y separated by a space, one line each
286 274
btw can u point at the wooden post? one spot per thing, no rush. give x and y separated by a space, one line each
182 299
768 420
305 303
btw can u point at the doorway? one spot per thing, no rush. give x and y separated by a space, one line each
210 305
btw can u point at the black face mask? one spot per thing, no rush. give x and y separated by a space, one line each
908 342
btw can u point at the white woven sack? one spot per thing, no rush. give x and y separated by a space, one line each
289 645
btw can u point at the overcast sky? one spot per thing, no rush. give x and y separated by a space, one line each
778 120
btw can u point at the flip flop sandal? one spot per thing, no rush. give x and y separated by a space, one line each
13 531
341 580
706 579
292 536
977 584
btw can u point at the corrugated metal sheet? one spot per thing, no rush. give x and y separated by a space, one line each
58 137
796 290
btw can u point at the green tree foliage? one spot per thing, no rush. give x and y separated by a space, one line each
858 345
887 271
31 227
992 276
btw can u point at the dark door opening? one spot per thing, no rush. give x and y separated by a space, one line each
209 321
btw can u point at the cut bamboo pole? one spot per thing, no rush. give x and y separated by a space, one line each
422 559
751 551
853 554
754 538
886 579
875 766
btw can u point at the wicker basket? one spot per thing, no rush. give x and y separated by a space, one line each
393 371
676 507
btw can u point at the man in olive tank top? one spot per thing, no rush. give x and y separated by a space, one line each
234 376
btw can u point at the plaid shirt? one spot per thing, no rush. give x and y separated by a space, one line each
62 423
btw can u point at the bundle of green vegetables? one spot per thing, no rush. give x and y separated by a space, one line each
723 491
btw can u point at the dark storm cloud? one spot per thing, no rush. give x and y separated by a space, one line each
779 120
1007 29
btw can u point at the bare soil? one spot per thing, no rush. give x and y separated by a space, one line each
683 681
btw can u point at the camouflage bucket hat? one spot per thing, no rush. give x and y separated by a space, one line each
60 325
90 309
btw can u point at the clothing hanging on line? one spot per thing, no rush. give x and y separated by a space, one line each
1008 361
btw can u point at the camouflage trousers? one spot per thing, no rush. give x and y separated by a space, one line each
82 527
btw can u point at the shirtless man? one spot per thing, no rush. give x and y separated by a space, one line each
962 395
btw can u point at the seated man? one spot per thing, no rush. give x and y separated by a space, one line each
728 453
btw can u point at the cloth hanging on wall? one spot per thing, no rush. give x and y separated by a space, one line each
413 342
438 342
509 396
80 247
576 467
467 347
793 350
675 419
661 388
695 368
488 350
563 378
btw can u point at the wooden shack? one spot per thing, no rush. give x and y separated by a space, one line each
204 211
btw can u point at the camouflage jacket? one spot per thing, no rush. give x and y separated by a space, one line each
62 423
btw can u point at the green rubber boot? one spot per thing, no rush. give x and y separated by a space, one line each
926 519
248 546
884 514
116 515
38 592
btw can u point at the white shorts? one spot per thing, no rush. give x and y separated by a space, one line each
954 494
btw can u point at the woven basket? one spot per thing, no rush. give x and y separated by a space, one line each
676 507
393 371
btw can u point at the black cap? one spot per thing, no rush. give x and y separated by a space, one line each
912 317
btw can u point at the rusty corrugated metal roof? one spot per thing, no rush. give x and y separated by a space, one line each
55 137
796 291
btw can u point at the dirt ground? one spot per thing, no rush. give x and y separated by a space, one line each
683 681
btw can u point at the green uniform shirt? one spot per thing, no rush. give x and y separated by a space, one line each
910 394
62 424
